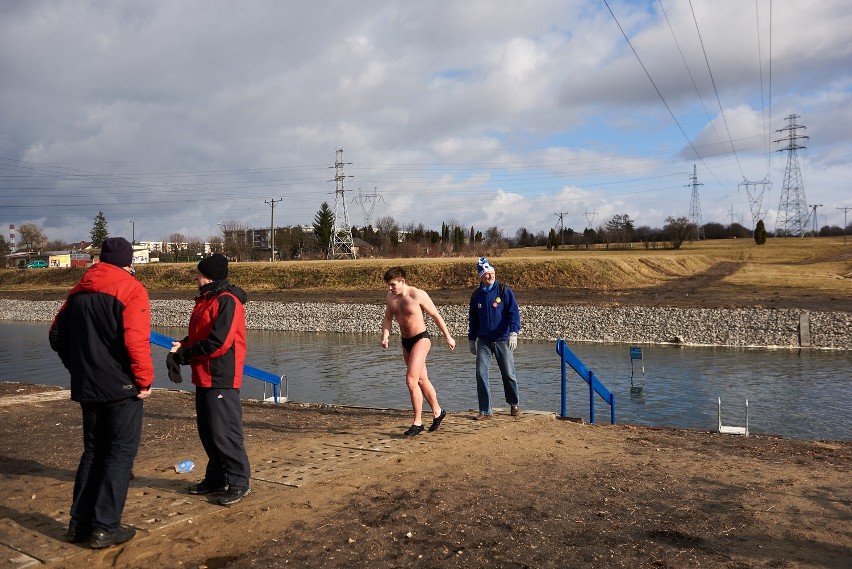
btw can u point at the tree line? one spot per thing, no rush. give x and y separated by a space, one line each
387 238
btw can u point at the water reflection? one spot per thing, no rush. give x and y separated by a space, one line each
795 393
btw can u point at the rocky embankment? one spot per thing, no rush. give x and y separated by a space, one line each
741 327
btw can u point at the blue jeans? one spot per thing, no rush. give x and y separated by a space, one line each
111 434
506 362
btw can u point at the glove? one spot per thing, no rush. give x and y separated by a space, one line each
173 365
471 344
513 340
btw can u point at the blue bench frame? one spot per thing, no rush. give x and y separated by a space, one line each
595 386
166 342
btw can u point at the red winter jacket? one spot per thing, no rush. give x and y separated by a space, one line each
102 335
216 345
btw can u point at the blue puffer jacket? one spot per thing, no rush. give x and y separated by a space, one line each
493 313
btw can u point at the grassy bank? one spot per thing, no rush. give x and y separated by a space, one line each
823 265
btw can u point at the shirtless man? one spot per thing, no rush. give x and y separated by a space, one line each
408 304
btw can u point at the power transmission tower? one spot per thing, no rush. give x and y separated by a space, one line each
590 218
755 198
561 226
792 210
695 203
845 210
372 200
342 244
272 202
814 208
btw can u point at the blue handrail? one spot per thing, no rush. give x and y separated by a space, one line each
595 386
166 342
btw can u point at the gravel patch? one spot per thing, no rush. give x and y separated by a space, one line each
741 327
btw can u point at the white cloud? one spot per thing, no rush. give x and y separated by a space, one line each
181 114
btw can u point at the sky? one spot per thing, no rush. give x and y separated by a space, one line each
182 115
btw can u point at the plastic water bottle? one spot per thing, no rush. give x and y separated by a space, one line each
184 466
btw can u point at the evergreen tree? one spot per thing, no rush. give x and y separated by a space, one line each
760 233
99 232
552 242
323 227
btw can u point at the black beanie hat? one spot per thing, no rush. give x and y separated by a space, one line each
214 267
117 251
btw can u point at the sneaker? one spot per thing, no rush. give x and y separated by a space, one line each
205 487
413 430
78 533
483 417
515 411
436 422
234 495
103 538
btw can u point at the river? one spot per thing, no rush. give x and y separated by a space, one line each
795 393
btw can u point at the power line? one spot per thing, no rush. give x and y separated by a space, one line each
660 94
715 90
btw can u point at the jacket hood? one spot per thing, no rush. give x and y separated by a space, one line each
98 275
217 287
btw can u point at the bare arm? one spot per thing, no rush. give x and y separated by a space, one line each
387 322
430 309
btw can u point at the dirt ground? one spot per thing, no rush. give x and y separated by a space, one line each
341 487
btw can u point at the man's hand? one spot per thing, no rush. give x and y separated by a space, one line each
385 342
451 342
471 344
144 393
513 340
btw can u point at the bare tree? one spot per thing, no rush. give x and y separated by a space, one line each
217 244
177 245
194 247
236 240
31 238
678 230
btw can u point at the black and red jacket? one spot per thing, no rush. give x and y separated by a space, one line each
216 346
102 334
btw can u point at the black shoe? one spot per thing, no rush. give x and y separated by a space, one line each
205 487
413 430
78 533
102 538
234 495
436 422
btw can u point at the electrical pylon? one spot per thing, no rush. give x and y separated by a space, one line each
792 208
372 200
695 203
755 198
590 218
342 245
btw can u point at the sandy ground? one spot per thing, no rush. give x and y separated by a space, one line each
340 487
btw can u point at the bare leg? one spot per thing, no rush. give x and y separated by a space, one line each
417 380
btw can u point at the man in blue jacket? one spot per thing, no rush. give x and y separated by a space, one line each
493 325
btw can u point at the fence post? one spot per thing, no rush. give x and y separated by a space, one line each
591 397
561 353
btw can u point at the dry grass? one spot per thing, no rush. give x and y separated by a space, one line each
823 264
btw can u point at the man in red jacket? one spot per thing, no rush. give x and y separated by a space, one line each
215 349
102 335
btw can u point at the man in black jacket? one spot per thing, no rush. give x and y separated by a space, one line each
102 335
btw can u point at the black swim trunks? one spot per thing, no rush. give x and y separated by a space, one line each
408 343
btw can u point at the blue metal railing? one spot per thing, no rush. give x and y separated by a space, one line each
274 380
595 386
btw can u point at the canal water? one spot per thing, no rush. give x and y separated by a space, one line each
794 393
